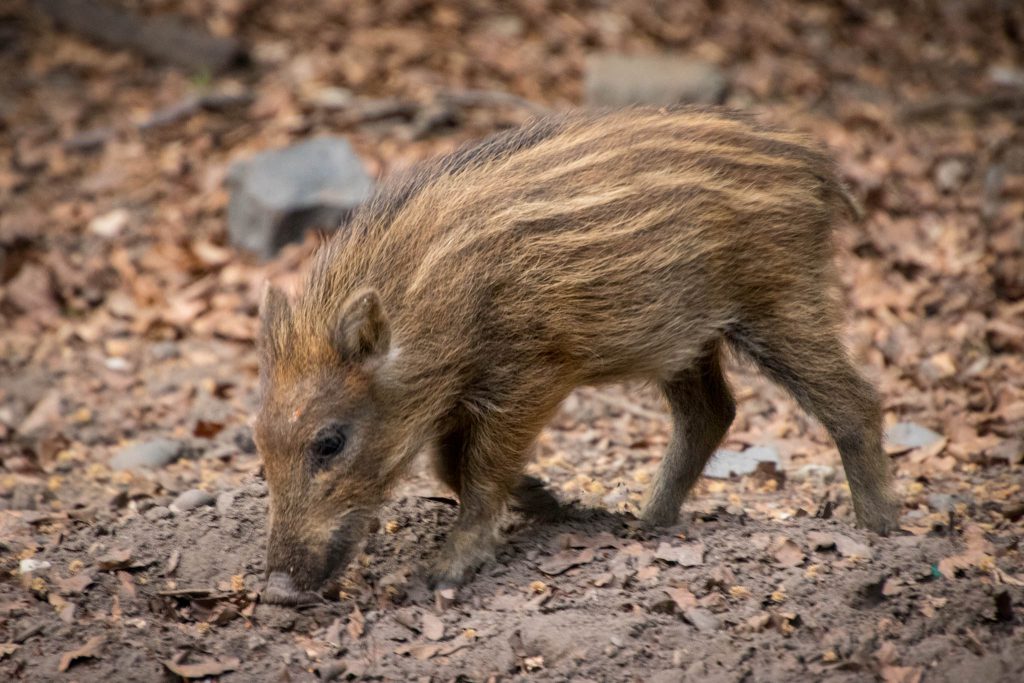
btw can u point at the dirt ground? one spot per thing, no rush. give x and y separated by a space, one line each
125 317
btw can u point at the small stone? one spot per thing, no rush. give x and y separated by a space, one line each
938 367
940 502
152 454
910 435
117 364
257 489
158 512
192 499
703 620
727 463
32 565
110 224
815 473
621 80
332 97
224 502
277 195
950 174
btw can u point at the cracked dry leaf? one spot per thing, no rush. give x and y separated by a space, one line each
205 667
566 560
685 555
74 585
87 651
432 627
356 623
847 547
115 559
788 553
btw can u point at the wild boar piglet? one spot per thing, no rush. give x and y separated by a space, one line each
472 294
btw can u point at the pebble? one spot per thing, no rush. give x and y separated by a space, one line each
158 512
257 489
940 502
152 454
224 502
911 435
814 472
702 619
950 174
30 565
726 463
192 499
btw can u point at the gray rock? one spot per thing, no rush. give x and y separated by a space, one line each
224 502
277 195
256 489
910 435
618 80
940 502
726 463
813 472
158 512
191 499
950 174
152 455
702 619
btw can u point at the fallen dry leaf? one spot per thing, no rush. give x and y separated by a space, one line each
683 598
87 651
686 555
901 674
976 554
356 623
432 627
74 585
566 560
115 559
207 666
788 553
848 547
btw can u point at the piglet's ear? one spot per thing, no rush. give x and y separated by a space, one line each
275 324
363 333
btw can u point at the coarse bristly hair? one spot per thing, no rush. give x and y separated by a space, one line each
470 295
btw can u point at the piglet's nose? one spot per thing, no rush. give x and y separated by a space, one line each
281 590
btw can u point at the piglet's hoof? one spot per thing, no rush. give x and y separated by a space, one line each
281 590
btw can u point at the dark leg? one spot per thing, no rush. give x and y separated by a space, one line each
807 358
702 410
483 461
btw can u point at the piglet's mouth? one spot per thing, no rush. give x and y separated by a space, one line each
281 588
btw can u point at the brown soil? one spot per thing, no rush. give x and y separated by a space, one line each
125 316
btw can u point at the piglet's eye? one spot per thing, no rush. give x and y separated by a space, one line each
327 444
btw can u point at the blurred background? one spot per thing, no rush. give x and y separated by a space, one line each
161 159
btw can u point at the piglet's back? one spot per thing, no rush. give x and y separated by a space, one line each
585 227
